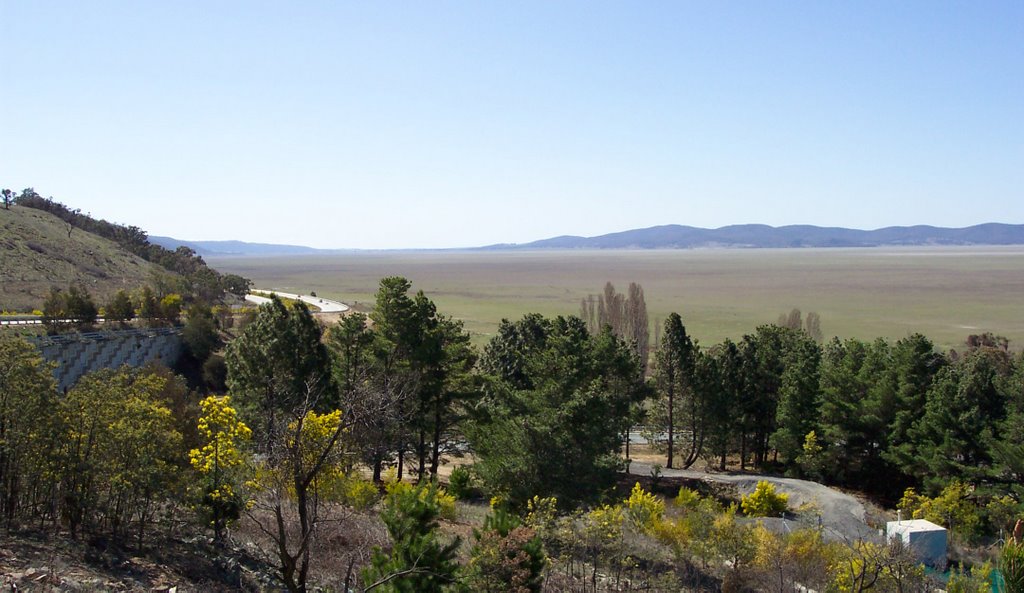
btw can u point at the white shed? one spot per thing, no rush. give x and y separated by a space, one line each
926 539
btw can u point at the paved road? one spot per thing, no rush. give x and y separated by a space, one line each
36 321
842 515
325 305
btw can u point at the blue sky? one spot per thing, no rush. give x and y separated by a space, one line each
447 124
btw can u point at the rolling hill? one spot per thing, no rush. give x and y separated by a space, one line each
674 236
214 248
38 253
758 235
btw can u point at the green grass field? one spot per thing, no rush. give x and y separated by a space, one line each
945 293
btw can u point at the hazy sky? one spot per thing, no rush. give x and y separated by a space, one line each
445 124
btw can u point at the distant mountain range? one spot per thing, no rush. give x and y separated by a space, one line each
674 236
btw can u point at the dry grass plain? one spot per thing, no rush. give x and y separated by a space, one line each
945 293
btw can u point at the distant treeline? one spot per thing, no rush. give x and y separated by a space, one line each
202 281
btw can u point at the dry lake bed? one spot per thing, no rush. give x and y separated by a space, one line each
945 293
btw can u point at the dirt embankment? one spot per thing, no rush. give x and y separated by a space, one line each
37 562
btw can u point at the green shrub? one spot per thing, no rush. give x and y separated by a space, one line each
419 559
764 502
463 484
1011 562
438 496
978 580
359 494
687 498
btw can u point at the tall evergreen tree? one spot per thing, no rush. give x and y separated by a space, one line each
797 412
457 385
279 365
396 348
679 404
963 415
1008 449
914 365
553 410
764 355
720 372
418 361
858 396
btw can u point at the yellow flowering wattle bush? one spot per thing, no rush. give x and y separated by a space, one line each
687 498
219 460
645 509
445 501
764 502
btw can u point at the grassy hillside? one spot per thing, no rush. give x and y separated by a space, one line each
38 253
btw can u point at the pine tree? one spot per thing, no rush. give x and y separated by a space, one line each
418 562
680 404
797 412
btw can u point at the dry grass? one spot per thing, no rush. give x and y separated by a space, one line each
945 293
38 254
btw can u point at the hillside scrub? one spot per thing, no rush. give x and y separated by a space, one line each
201 281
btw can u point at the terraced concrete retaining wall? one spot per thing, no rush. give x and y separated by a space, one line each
78 354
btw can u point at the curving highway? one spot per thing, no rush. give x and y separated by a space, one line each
325 305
